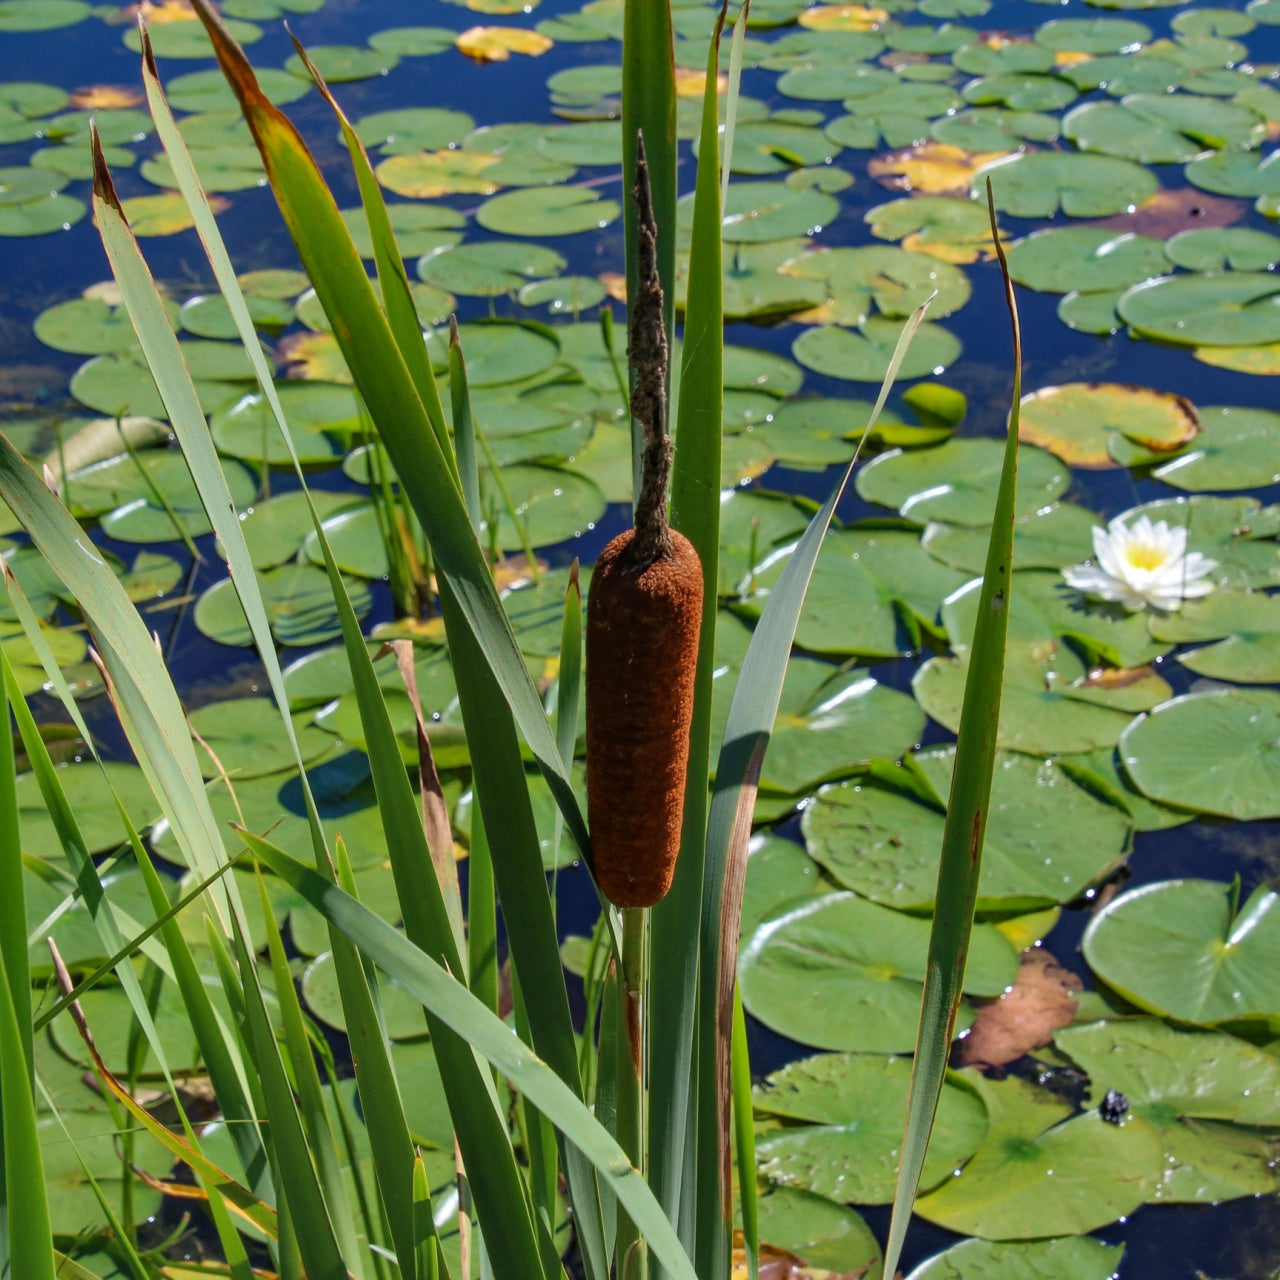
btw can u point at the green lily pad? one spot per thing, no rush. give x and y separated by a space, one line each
139 515
208 315
121 384
547 211
589 142
945 223
565 295
884 277
1020 92
1235 308
870 594
1047 538
994 129
248 739
498 351
356 540
1077 421
413 42
864 356
1091 312
552 504
1092 35
812 1227
419 228
86 326
209 90
1236 173
757 211
1042 709
343 63
751 369
545 812
753 524
1065 1258
1018 56
90 789
68 648
41 216
828 81
1060 259
1048 840
957 481
1182 949
1036 184
247 428
1246 625
849 1107
1236 532
753 287
775 145
298 601
1039 1173
1203 1091
402 1014
839 972
489 269
1217 248
778 872
410 129
1235 449
829 724
1213 752
275 529
42 15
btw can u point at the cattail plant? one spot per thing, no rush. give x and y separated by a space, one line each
644 614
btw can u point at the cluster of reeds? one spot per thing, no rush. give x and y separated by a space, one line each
635 1127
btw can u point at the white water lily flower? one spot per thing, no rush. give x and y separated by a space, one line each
1143 564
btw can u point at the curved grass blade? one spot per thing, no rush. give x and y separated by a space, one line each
492 1039
746 737
744 1138
967 812
388 389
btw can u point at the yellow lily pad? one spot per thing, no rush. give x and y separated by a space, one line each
163 215
1263 359
105 97
1077 420
693 84
931 168
314 356
843 17
424 175
497 44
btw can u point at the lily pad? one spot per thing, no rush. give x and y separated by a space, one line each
1066 1258
247 428
401 1013
843 1130
552 504
1047 538
957 481
1235 449
1246 625
892 280
1076 421
1185 949
1203 1091
1235 173
945 227
757 211
864 356
489 269
1092 35
814 1228
42 15
298 601
547 211
1234 308
1048 840
1036 184
91 790
839 972
994 129
342 63
248 740
870 594
1062 259
1020 92
42 216
276 528
1236 532
1039 1173
1214 752
86 326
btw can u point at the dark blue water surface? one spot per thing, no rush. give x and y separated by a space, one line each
1240 1239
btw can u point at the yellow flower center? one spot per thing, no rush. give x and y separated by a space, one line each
1145 555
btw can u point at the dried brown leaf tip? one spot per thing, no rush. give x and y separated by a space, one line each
1041 1000
644 614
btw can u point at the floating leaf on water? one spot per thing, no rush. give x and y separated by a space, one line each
932 168
1234 173
1077 420
1162 128
1020 92
89 789
758 211
41 15
1066 1258
864 356
1235 308
1049 838
1236 449
565 295
1062 259
1236 532
843 17
187 38
247 428
163 215
1203 1091
497 44
342 63
893 281
274 529
547 211
824 1234
489 269
957 481
426 175
993 129
1041 1000
1049 537
844 1126
243 738
1119 74
945 227
209 90
86 326
1000 56
1212 752
1092 35
1186 949
207 315
409 129
1218 248
412 42
41 216
861 967
1037 184
401 1012
1070 1176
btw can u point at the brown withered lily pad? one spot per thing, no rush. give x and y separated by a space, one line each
1179 209
1041 1000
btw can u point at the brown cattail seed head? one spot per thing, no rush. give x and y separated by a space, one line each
643 622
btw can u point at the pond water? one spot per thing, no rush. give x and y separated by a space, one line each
842 91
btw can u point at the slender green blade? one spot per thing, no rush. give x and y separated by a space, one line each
746 736
967 812
744 1138
388 389
695 511
491 1038
13 916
